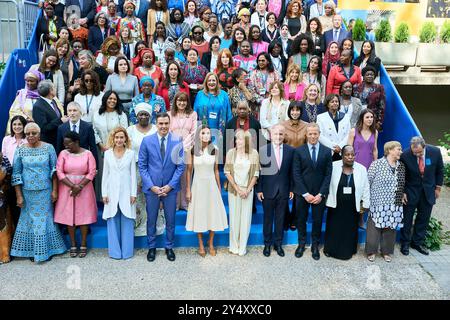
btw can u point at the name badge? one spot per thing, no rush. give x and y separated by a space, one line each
428 162
347 190
213 115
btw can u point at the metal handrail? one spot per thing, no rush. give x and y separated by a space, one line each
24 17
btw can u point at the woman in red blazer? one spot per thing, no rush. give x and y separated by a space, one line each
172 84
343 71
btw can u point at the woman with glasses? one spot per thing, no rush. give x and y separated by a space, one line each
198 41
99 32
34 179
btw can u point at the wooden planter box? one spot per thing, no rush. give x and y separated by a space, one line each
399 54
431 54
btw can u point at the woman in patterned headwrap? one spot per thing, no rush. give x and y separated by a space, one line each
147 85
109 52
134 23
147 67
23 104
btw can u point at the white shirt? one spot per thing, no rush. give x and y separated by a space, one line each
317 145
77 126
165 141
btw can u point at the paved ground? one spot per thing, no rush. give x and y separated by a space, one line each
222 277
231 277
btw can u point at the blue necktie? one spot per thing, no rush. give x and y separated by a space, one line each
74 128
314 157
335 38
81 4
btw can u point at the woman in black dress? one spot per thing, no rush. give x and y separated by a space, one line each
349 186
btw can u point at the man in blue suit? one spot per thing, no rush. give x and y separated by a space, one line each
83 128
424 179
274 187
161 165
140 11
337 34
312 168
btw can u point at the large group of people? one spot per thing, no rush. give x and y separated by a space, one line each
138 108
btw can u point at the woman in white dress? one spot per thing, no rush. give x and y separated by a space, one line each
206 210
273 109
137 133
107 118
242 171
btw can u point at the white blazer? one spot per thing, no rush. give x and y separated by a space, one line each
362 190
269 118
328 135
119 184
254 20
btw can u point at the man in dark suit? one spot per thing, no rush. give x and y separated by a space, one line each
83 128
274 187
337 34
87 8
312 168
48 113
424 178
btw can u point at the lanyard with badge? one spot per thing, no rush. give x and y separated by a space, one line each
88 103
348 188
213 114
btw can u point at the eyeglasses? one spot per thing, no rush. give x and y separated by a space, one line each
32 133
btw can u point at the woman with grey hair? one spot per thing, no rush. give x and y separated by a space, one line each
36 186
87 62
387 182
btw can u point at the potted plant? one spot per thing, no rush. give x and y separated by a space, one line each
431 53
359 34
398 53
402 33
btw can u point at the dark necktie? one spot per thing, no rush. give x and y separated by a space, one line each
74 128
314 157
163 148
55 108
335 38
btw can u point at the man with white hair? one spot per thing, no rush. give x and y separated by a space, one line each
83 128
48 112
424 179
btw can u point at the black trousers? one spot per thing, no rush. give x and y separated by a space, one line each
302 218
274 211
420 224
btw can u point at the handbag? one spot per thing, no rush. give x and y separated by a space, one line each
43 46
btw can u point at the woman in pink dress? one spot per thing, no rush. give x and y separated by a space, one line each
76 205
183 123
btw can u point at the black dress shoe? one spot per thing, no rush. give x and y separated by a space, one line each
266 251
32 259
315 252
151 255
279 251
299 251
421 249
170 255
404 250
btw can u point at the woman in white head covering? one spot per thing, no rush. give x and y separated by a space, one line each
137 133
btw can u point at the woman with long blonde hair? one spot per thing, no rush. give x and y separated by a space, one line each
294 86
119 191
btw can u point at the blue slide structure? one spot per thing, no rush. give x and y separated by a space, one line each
398 125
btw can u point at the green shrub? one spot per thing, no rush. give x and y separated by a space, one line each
428 32
445 142
435 236
402 33
445 32
359 30
384 31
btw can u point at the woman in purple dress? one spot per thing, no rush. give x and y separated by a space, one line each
364 138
